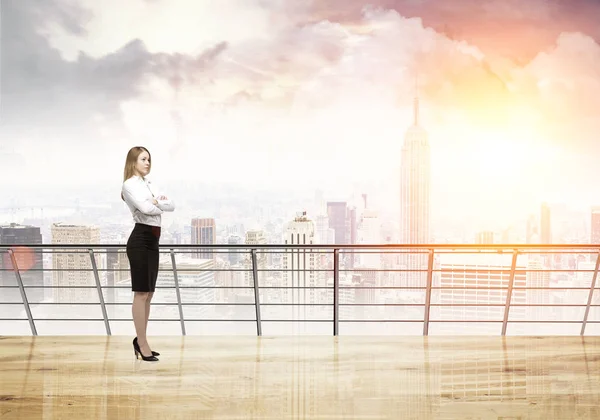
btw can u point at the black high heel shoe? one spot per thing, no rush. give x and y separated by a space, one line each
154 353
138 352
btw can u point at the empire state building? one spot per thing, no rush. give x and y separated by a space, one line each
415 174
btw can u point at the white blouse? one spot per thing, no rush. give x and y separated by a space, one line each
138 193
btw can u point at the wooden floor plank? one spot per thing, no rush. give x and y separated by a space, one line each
200 377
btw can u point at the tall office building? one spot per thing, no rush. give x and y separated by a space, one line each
485 237
299 267
415 174
235 255
595 225
545 225
532 235
255 237
112 272
74 266
478 279
29 261
337 212
204 232
353 235
342 219
325 235
118 272
369 233
366 277
538 279
196 278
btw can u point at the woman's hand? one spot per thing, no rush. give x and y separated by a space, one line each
162 197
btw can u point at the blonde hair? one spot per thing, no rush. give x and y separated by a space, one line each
131 161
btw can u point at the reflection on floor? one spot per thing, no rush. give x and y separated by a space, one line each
98 377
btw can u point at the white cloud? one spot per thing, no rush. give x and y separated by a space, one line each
322 96
173 26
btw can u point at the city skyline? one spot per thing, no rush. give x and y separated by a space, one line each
323 88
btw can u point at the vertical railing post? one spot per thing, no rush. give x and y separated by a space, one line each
22 290
99 289
177 291
256 292
336 292
511 282
428 293
591 295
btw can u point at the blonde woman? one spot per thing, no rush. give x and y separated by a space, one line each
142 246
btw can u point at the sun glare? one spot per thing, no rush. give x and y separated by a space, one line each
497 155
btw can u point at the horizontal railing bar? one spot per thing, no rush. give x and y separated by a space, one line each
199 320
130 319
175 304
187 319
456 321
470 288
381 305
523 305
515 321
478 247
266 251
129 287
124 270
129 304
474 288
125 319
319 270
514 288
316 270
59 287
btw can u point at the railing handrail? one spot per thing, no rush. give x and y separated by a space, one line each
429 250
425 247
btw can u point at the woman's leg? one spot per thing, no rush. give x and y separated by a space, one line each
138 310
153 264
150 294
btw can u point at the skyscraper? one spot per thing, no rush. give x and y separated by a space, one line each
299 267
370 234
595 226
235 255
532 234
353 234
204 232
545 226
415 173
74 267
342 219
256 237
324 234
337 211
29 261
469 279
485 237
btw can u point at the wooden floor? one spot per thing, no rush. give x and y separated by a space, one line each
82 377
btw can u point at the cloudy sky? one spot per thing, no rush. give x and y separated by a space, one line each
276 92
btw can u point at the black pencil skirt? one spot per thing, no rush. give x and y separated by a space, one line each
142 251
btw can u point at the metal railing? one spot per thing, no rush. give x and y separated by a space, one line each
434 276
